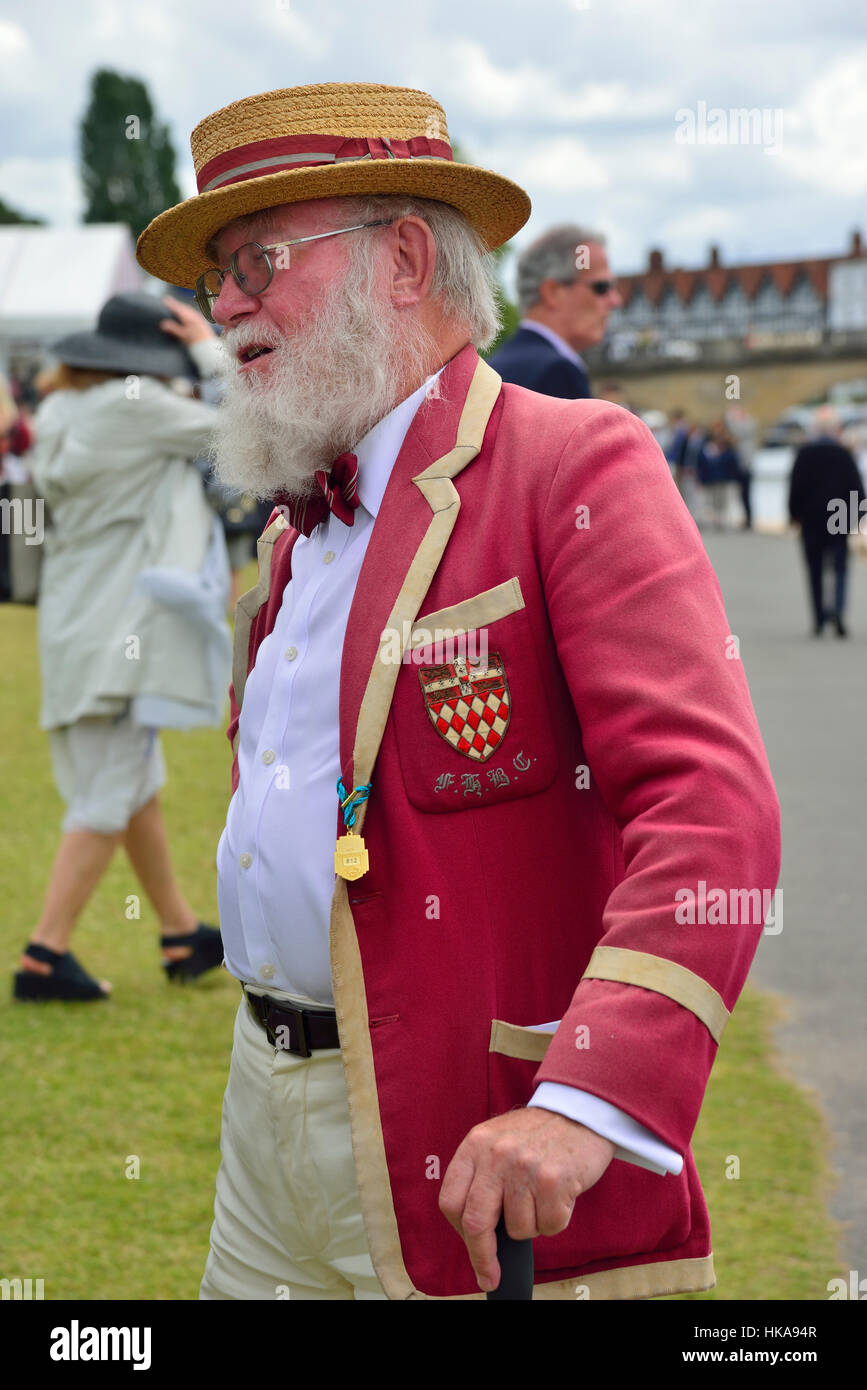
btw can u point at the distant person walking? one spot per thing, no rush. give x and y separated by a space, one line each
686 474
825 480
743 430
132 635
718 469
675 448
565 292
678 434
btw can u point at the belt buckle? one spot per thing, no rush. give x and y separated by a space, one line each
303 1049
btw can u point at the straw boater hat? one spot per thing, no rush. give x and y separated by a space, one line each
329 140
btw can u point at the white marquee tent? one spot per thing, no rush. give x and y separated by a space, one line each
54 280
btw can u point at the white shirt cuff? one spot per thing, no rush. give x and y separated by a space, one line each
635 1144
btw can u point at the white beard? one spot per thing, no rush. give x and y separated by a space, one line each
328 383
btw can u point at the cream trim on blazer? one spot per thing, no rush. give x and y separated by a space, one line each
664 977
469 614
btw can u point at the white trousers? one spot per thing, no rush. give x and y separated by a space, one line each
287 1214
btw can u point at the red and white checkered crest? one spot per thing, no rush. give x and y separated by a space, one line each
468 703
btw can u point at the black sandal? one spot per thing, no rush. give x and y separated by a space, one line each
207 952
68 979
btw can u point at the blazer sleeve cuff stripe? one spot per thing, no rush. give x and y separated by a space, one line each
663 977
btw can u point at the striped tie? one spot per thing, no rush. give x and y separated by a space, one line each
339 495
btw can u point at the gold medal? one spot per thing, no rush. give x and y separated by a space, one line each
350 857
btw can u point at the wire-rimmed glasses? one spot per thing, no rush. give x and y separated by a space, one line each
253 269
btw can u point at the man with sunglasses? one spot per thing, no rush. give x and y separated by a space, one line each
565 293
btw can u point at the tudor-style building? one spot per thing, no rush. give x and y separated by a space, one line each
690 314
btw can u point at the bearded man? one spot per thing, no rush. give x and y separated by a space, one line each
470 643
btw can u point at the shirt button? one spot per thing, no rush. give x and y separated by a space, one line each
267 971
245 861
291 653
269 755
328 557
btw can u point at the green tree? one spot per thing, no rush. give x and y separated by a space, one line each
127 159
9 217
509 314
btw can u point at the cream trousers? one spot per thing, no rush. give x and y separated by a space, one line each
287 1214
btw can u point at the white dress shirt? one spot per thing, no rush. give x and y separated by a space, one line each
275 866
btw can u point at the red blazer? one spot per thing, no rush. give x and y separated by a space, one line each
507 887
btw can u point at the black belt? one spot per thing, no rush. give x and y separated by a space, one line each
291 1028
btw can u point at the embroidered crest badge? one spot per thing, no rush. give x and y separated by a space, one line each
469 705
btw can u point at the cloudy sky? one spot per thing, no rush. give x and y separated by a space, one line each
580 101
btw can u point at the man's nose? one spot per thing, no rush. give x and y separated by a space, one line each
232 304
615 299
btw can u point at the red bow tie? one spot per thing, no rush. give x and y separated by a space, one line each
339 495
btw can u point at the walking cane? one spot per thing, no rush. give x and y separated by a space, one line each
516 1266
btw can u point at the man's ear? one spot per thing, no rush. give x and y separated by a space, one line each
550 292
412 262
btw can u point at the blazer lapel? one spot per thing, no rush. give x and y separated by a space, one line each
415 520
413 526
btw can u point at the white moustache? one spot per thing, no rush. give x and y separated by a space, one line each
246 335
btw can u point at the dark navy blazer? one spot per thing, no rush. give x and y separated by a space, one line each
528 359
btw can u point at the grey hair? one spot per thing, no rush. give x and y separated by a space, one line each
551 256
465 277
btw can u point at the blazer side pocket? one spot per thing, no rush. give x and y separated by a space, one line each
510 1040
514 1055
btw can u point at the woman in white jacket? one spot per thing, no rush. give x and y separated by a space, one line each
132 633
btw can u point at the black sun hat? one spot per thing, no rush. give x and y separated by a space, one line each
128 338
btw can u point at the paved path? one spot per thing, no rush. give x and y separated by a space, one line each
810 696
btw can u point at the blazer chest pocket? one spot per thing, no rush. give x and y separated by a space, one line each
471 716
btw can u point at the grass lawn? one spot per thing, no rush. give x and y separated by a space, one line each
86 1088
